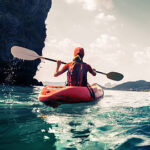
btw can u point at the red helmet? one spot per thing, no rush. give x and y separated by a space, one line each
79 51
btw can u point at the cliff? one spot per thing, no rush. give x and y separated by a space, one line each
22 23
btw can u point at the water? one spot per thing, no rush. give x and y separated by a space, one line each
120 121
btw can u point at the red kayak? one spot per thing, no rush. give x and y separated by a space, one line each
56 95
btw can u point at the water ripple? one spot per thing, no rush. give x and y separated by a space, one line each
120 121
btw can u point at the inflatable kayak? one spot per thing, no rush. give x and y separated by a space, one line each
56 95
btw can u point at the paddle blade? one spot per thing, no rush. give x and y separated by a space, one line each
24 53
114 76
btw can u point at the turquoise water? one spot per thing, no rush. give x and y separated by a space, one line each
120 121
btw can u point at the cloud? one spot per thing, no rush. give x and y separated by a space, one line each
64 44
107 4
60 48
89 5
106 48
92 5
106 42
70 1
86 4
142 57
103 18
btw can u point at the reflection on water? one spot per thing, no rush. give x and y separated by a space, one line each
120 121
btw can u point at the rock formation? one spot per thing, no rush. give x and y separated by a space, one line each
22 23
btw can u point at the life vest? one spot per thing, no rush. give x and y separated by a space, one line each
77 74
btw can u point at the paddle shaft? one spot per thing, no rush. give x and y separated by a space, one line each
52 60
65 63
27 54
111 75
101 72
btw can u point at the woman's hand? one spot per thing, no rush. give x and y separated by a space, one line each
57 71
58 63
94 71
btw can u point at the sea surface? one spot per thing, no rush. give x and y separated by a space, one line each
119 121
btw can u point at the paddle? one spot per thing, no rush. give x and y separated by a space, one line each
26 54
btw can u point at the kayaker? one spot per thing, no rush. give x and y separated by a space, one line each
77 69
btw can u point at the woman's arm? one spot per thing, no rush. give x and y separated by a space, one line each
92 71
59 72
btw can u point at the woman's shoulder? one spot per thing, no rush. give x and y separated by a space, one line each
86 64
68 64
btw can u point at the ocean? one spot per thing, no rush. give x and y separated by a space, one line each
119 121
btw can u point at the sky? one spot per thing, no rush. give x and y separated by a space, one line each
115 35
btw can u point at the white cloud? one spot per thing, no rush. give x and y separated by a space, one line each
106 48
103 18
106 42
142 57
60 48
70 1
92 5
62 44
86 4
89 4
108 4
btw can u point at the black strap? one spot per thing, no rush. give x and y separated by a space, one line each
91 91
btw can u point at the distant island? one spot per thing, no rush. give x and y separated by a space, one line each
140 85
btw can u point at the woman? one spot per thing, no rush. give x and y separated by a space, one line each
77 69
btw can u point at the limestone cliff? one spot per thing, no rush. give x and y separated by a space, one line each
22 23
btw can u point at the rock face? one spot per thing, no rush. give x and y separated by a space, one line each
22 23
